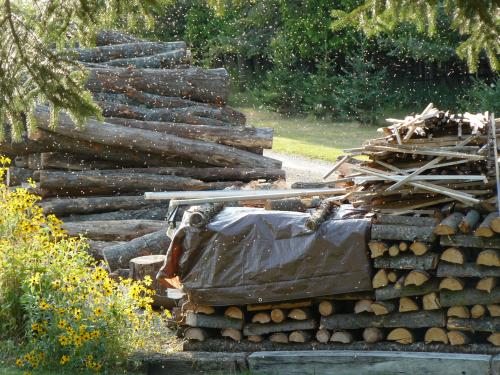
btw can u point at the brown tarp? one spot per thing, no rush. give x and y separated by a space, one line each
248 255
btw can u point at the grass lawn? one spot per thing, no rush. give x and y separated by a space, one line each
314 138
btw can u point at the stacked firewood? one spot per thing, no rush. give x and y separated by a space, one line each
166 127
424 161
434 288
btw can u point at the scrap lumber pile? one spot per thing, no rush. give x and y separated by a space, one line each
426 160
166 127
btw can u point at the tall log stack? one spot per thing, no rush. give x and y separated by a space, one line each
166 127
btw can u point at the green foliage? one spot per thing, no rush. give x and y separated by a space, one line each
482 96
33 66
63 308
479 21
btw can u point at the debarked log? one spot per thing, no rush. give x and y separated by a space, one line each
154 142
204 85
114 230
417 319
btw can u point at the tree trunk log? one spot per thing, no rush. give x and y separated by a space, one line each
114 230
204 85
212 321
484 229
449 226
414 221
402 232
109 37
469 222
148 213
466 270
17 176
72 162
113 182
92 205
238 136
165 60
122 51
474 325
418 319
391 292
262 329
470 241
428 261
469 297
154 142
119 256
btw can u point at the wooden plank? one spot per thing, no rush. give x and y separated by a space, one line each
470 241
402 232
361 363
416 319
466 270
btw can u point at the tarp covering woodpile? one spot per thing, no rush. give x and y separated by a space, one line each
166 127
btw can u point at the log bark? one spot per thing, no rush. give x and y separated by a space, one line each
237 136
113 182
474 325
469 297
149 141
212 321
148 213
416 221
484 229
292 204
93 205
121 51
148 244
320 214
165 60
294 325
418 319
96 248
391 292
17 176
449 226
204 85
467 270
428 261
108 37
114 230
470 241
469 221
72 162
202 215
402 232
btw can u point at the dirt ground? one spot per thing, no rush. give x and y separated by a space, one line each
300 168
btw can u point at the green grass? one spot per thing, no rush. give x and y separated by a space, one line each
310 137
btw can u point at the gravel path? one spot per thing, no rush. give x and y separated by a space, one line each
300 168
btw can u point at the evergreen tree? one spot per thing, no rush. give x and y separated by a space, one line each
33 64
477 21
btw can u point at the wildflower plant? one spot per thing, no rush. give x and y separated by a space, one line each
56 300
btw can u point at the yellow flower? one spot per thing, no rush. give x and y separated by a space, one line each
147 280
64 359
63 340
95 334
44 305
56 284
98 311
19 362
78 341
35 327
35 279
77 314
97 366
61 324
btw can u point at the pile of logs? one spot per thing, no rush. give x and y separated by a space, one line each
434 288
424 161
166 127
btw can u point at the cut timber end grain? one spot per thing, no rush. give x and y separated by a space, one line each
343 337
436 334
401 335
392 276
416 277
372 335
469 221
451 283
234 312
494 310
430 301
383 307
458 312
323 336
377 248
326 308
407 304
197 334
489 258
484 229
261 317
486 284
494 338
232 333
477 311
364 305
403 246
278 315
458 338
495 224
279 337
299 314
380 279
449 226
254 338
419 248
300 336
453 255
394 250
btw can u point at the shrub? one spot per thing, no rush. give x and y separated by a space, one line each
482 96
61 306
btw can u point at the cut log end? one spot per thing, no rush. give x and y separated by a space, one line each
232 333
343 337
383 307
364 305
494 338
372 335
477 311
326 308
416 277
453 255
401 336
300 336
430 301
458 338
323 336
279 337
451 283
234 312
261 317
458 312
278 315
436 334
380 279
407 304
